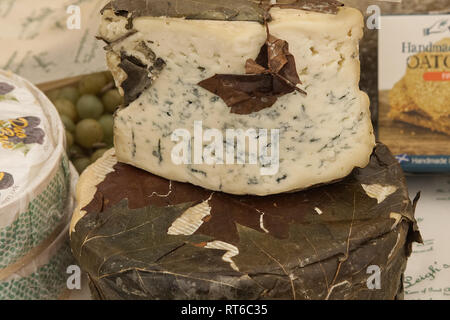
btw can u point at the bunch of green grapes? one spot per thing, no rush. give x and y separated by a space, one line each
86 111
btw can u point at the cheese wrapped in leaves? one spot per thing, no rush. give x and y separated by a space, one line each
139 236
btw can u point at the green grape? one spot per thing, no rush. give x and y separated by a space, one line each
107 123
68 123
69 139
89 107
53 94
81 164
109 142
67 108
88 132
109 77
111 100
92 84
76 152
70 93
98 154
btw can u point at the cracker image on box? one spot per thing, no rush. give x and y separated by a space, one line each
422 96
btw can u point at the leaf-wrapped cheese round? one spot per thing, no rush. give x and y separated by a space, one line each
140 236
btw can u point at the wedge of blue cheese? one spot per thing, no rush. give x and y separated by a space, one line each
159 61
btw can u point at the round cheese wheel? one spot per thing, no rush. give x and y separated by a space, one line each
139 236
35 179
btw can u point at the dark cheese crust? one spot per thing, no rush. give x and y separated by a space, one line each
230 10
315 244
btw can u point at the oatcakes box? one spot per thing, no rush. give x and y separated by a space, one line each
414 90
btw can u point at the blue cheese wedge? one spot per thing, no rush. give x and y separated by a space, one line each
320 137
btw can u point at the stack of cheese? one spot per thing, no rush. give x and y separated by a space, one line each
35 193
175 212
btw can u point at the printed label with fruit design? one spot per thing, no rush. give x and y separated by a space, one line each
5 92
20 132
6 180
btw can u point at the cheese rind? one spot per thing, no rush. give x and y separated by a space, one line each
323 136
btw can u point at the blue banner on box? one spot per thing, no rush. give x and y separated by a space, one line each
411 163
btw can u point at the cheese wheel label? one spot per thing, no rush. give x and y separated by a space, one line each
19 132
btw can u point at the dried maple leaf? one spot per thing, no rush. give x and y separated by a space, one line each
275 59
272 75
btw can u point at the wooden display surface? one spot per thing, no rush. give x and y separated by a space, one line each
403 138
47 86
